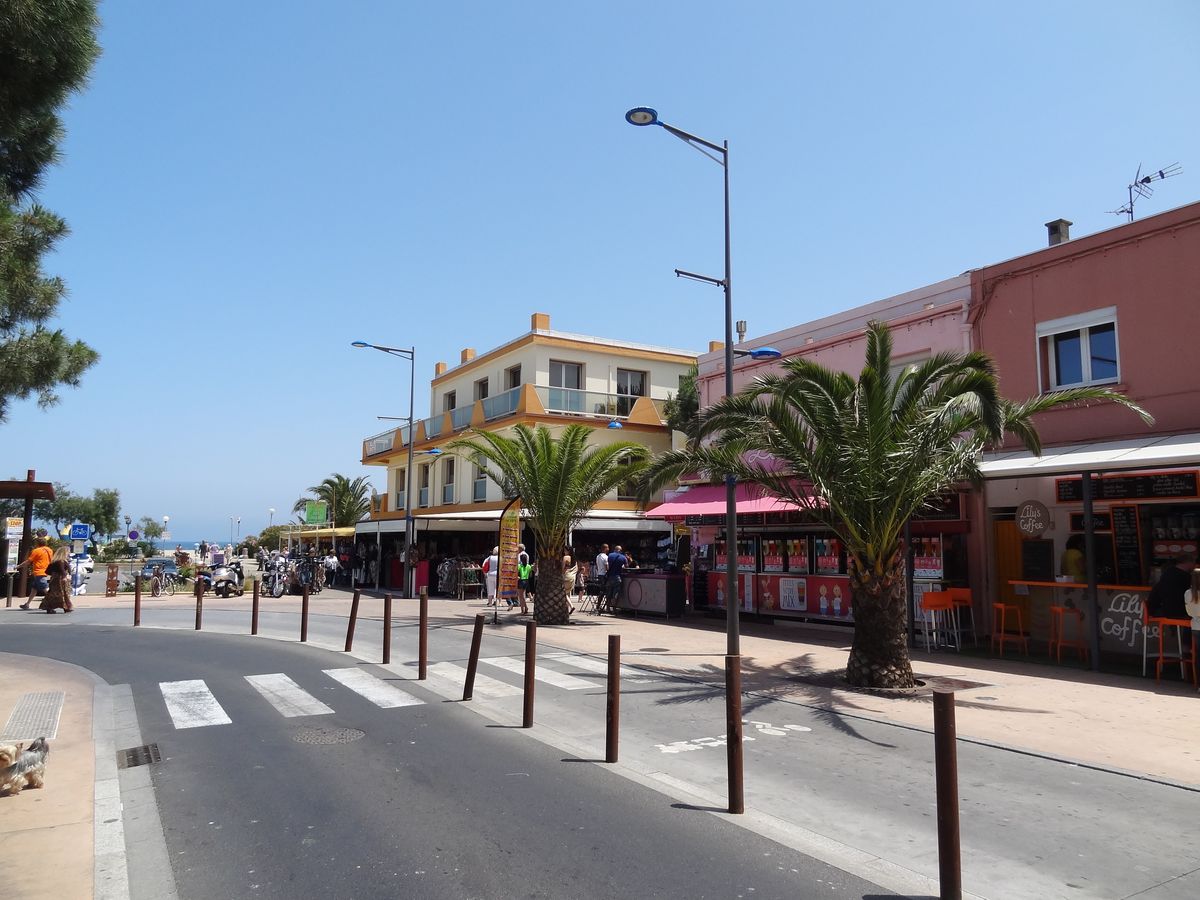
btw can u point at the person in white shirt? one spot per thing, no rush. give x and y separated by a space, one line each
331 567
601 569
491 567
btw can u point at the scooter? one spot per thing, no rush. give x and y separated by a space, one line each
227 580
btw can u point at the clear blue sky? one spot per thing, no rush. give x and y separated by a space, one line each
251 186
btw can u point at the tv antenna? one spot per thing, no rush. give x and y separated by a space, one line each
1140 187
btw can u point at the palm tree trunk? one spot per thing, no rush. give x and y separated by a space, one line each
550 606
879 654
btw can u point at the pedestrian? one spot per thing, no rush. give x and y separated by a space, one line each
204 552
617 561
38 561
524 573
58 574
570 571
601 563
491 569
1166 598
331 567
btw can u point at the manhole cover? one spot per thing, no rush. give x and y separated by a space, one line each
316 734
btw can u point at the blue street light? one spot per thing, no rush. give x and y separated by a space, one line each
615 424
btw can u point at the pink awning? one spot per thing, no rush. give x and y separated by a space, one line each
709 500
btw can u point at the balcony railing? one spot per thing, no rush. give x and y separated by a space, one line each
401 500
502 404
447 493
479 490
460 417
433 425
380 443
423 497
584 403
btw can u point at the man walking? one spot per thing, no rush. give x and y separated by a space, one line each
38 561
617 561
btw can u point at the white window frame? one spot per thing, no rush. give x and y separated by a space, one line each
1083 323
479 478
449 470
481 388
508 377
449 401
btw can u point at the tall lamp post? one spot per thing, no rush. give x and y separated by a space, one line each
411 355
128 522
166 533
642 116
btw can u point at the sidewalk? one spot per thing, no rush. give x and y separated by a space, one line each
49 846
1116 722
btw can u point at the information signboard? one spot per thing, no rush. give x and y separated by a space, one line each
1140 486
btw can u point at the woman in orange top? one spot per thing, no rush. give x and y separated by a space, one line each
38 562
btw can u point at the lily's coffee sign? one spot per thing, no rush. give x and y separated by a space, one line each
1141 486
1033 518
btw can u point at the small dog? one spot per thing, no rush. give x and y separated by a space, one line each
23 768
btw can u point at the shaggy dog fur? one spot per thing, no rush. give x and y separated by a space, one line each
23 768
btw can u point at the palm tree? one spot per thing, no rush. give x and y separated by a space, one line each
558 480
862 457
348 501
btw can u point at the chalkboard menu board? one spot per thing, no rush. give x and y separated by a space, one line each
1100 522
1127 542
1147 485
1037 560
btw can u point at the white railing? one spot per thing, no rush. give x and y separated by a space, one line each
381 443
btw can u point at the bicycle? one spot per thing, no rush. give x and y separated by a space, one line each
163 581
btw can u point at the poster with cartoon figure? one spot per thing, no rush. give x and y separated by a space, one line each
716 590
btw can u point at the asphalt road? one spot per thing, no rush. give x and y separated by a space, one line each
426 800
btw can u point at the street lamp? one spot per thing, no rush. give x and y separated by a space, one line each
411 355
128 522
166 533
642 116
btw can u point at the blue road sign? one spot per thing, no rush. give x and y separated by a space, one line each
80 532
133 535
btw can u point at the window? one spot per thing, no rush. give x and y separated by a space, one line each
423 497
401 489
448 481
1078 350
568 377
630 384
479 486
627 489
512 378
449 401
481 389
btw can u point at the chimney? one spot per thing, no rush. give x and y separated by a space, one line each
714 346
1060 231
467 355
539 322
439 369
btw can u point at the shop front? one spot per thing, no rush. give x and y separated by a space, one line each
1091 527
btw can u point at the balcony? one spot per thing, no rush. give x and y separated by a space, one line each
501 405
479 490
460 418
568 401
433 425
380 443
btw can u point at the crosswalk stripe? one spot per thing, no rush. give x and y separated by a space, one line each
541 673
288 698
448 680
374 689
192 705
600 667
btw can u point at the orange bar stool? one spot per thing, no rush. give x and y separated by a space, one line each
961 597
1000 632
1186 660
938 618
1057 639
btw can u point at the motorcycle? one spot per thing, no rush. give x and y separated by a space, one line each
226 580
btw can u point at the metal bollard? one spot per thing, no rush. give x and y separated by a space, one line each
254 609
612 714
353 621
423 636
530 663
945 750
304 614
473 660
199 604
9 595
137 601
733 732
387 628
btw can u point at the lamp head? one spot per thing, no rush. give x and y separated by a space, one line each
613 423
642 115
359 344
765 353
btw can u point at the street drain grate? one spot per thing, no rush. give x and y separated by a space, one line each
138 756
316 734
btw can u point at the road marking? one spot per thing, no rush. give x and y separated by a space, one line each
451 679
720 739
600 667
192 705
541 673
374 689
287 697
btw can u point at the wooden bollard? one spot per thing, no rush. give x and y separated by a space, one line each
254 608
353 621
530 664
612 713
304 614
473 660
423 636
387 628
945 753
199 602
137 601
